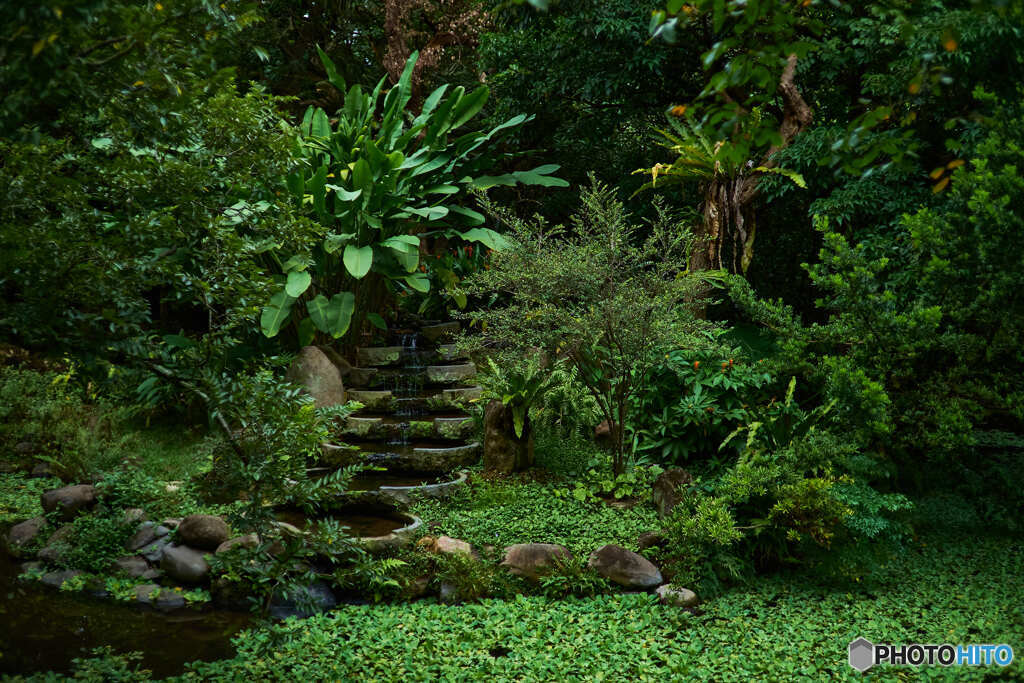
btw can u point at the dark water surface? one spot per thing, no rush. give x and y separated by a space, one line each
43 629
363 523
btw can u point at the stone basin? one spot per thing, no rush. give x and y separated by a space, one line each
377 526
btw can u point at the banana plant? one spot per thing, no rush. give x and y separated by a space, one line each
377 180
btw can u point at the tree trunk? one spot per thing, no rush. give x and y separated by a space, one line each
503 451
729 221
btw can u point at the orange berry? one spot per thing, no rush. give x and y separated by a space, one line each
696 364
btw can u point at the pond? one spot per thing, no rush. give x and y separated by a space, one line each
43 629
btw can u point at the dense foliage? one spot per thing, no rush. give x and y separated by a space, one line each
773 251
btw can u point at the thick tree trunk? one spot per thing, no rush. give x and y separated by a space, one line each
503 451
729 223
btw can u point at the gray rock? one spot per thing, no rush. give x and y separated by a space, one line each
651 539
667 490
161 531
132 565
143 536
27 567
247 541
184 564
169 600
69 500
144 593
24 533
41 470
171 524
313 599
57 579
56 545
25 448
314 372
532 559
133 516
677 597
203 531
155 550
344 367
151 574
624 567
449 593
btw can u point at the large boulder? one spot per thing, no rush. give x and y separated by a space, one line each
533 559
314 372
504 452
184 564
624 567
69 500
24 533
667 490
203 531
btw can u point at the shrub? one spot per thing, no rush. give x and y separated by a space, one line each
690 402
597 298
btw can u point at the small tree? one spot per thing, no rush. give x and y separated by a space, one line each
596 296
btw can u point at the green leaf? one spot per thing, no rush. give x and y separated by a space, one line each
334 316
333 77
358 260
178 341
320 126
487 237
307 332
276 313
343 194
334 241
418 282
469 106
473 217
539 176
298 283
431 213
377 321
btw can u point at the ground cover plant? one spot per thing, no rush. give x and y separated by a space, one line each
806 624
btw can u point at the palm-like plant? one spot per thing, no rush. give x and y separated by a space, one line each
727 184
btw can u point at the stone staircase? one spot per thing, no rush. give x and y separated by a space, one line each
414 394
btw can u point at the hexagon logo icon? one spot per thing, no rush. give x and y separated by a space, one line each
862 654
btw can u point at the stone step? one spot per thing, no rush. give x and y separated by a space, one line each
378 356
442 400
389 377
450 374
421 458
441 331
452 428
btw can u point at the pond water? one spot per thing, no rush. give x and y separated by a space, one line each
371 481
43 629
362 522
